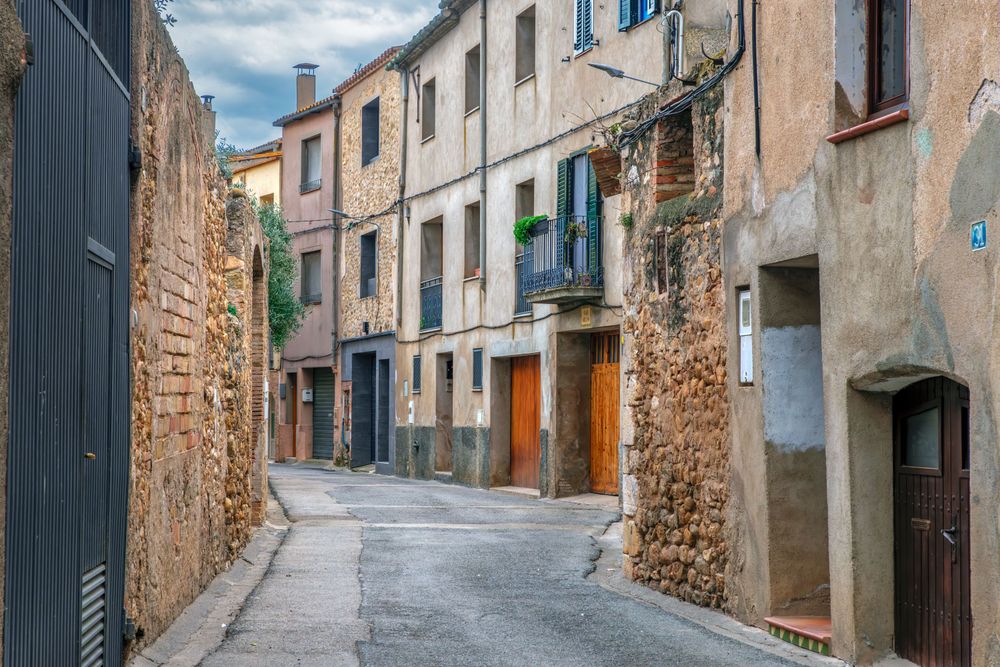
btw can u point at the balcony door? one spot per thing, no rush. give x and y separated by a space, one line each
581 196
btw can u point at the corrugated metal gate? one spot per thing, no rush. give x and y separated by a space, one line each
363 410
68 457
323 413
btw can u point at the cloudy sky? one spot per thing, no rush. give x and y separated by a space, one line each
242 51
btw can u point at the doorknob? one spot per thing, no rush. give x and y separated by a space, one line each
90 455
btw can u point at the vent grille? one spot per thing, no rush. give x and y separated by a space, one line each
92 605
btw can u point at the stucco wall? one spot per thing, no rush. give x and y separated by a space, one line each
262 180
902 296
559 97
11 70
193 425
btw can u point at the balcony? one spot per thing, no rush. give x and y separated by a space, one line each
562 263
430 304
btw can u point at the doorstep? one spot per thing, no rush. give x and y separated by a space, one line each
519 491
809 632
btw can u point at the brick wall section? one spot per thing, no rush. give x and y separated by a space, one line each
676 464
190 495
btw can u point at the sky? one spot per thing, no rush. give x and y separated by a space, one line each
242 51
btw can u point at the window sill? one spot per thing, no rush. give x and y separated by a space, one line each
520 316
310 300
524 79
469 279
426 139
580 54
366 297
471 111
899 115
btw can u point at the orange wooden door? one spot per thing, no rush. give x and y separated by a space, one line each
526 421
604 411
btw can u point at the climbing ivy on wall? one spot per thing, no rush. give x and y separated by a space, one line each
285 310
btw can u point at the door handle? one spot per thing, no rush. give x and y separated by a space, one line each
949 535
90 455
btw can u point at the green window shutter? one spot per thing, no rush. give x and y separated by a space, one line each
578 15
588 24
593 224
564 188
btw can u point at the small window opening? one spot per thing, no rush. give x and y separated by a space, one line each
312 290
524 56
746 337
369 264
472 240
427 103
472 80
370 132
477 369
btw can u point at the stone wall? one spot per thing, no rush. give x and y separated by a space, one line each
368 190
11 70
676 460
193 430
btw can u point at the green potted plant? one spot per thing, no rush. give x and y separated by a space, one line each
523 227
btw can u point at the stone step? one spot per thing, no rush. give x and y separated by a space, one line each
809 632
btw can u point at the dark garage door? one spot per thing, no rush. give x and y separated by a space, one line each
323 414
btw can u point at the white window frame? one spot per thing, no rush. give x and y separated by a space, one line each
744 315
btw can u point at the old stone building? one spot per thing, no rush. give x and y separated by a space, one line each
368 188
199 295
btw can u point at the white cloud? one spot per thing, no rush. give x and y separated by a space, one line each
242 51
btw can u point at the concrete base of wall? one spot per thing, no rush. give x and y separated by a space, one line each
470 456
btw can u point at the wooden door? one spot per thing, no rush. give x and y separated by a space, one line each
604 412
525 421
933 601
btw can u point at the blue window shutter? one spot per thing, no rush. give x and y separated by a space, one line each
588 24
578 16
627 13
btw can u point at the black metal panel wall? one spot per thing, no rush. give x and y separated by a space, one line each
68 455
323 401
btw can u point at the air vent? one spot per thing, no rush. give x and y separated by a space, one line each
93 600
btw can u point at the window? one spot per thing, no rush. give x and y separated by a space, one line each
583 18
472 240
524 56
312 165
267 200
746 338
477 369
369 263
370 132
472 80
660 262
312 290
416 374
887 54
922 440
634 12
524 205
427 104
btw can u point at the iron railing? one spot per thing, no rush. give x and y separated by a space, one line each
309 186
563 252
521 304
430 303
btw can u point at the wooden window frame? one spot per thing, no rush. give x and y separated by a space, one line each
878 109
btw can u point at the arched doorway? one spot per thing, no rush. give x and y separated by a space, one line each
931 518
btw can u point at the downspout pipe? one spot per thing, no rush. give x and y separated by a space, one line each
338 204
482 144
756 78
404 83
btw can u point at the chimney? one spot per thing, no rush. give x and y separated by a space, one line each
305 85
209 116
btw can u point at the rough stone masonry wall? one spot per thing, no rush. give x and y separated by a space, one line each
11 70
190 496
368 190
676 477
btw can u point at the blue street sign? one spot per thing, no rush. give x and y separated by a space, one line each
979 235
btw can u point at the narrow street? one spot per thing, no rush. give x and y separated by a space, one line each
383 571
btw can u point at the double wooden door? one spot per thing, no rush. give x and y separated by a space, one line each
525 421
933 600
604 412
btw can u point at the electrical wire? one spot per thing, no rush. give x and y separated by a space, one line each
684 103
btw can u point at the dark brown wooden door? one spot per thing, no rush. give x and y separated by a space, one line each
604 393
526 421
933 602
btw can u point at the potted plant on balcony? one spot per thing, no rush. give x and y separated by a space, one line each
523 227
575 230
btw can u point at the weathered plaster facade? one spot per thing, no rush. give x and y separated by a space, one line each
864 245
530 128
196 411
11 69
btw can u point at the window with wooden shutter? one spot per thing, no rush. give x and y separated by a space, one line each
477 369
564 188
584 26
627 13
593 226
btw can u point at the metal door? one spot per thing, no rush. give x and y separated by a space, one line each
68 457
323 422
933 600
525 417
382 426
604 411
363 410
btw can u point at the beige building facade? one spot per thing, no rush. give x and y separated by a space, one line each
258 171
479 314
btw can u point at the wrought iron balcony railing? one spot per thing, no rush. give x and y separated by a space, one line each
564 253
309 186
521 305
430 303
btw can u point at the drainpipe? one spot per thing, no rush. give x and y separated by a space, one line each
404 83
338 197
482 144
